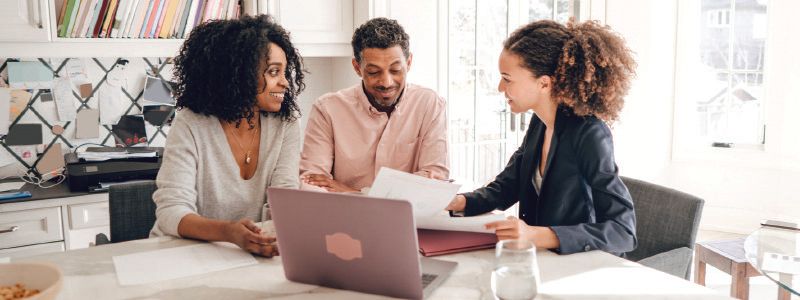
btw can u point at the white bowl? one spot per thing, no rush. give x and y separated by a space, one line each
41 276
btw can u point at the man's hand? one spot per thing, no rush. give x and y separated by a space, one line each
245 234
327 183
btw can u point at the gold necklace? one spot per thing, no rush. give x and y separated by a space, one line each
249 145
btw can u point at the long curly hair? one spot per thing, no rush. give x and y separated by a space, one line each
217 69
379 33
590 64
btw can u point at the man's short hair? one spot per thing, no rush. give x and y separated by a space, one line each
380 33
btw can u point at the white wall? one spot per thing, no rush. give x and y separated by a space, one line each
325 74
420 20
644 130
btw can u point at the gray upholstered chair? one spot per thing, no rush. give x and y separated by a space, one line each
666 226
131 211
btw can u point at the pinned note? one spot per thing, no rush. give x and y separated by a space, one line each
109 98
5 110
87 124
157 91
130 130
65 100
52 161
24 134
19 100
29 75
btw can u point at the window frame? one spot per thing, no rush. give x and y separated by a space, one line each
777 150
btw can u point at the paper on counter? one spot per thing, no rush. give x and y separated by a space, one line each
428 197
5 260
173 263
11 186
470 224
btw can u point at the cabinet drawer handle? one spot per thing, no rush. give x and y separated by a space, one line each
12 229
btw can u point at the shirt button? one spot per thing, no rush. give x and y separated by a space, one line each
587 248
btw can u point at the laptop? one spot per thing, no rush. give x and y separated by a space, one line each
352 242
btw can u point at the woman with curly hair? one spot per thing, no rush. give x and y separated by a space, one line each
235 134
564 177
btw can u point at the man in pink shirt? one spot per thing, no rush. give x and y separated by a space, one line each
380 122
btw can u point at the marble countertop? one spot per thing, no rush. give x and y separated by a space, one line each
90 274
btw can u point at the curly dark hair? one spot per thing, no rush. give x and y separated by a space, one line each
379 33
590 65
217 69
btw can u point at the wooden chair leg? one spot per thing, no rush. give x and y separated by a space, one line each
783 294
699 267
740 284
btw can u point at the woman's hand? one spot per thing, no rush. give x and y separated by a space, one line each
459 203
327 183
513 228
245 234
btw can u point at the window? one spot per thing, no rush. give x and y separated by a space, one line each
721 73
736 88
483 132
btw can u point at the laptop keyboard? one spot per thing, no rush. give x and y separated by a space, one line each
427 279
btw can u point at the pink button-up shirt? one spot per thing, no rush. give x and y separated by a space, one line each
347 138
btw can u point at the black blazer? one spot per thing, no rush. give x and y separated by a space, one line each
582 199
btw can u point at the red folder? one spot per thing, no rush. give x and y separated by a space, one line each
439 242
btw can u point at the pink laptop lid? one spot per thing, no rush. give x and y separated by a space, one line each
347 241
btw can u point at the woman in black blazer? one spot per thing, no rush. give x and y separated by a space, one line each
563 175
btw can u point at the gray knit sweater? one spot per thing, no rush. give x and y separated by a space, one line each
199 174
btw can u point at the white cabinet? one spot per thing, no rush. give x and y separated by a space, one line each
24 21
319 27
32 250
32 226
315 21
51 225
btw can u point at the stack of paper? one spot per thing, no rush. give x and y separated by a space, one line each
103 156
429 198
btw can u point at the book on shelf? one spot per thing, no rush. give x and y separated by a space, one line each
69 7
164 28
98 19
141 14
142 19
109 19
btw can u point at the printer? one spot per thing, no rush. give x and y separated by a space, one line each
86 170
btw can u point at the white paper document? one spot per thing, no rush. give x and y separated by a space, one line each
428 197
110 102
172 263
470 224
11 186
65 101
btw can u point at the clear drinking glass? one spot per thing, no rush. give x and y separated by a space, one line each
516 272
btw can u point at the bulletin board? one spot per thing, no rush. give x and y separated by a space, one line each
41 112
